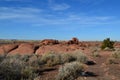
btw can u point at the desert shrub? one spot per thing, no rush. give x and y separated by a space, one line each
35 61
16 68
74 56
95 49
51 59
95 54
116 54
114 58
70 71
107 43
117 49
25 58
67 58
2 57
111 61
79 56
10 69
29 73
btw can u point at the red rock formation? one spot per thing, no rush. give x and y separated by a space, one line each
2 51
73 41
49 42
7 48
24 48
10 47
59 48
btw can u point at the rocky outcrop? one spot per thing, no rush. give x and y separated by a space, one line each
24 48
73 41
59 48
49 42
7 48
2 52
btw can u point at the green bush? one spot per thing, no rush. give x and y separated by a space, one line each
70 71
107 43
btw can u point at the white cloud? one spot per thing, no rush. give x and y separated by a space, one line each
57 7
9 13
38 17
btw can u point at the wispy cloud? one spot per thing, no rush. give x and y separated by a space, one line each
38 17
20 12
57 7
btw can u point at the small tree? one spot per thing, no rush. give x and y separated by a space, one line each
107 43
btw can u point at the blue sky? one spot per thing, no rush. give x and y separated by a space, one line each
60 19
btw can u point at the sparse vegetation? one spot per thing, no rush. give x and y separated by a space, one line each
67 64
26 67
79 56
107 44
111 61
70 71
67 58
51 59
15 68
2 57
114 58
95 54
116 54
95 51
